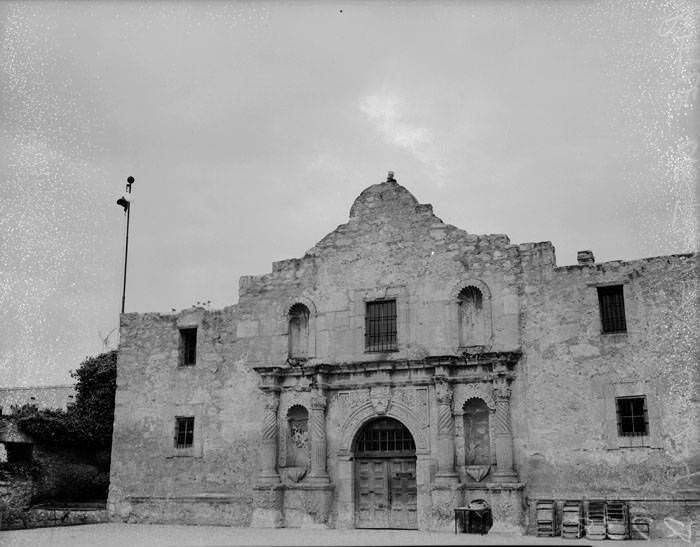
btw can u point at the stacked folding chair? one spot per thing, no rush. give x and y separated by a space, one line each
617 520
571 520
596 520
546 518
639 524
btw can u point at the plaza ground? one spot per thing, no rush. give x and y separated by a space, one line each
145 535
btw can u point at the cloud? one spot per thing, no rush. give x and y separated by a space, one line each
389 114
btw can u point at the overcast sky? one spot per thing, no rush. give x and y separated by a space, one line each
251 127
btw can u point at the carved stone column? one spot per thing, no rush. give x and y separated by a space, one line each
503 433
268 472
446 439
317 428
460 456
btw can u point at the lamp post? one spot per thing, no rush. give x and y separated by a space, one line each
125 202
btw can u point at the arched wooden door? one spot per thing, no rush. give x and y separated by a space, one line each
385 476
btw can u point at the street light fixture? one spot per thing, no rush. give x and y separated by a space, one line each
125 202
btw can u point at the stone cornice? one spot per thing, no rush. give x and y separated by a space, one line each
453 368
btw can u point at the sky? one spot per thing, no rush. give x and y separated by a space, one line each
250 129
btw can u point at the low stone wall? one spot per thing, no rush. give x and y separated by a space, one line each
208 509
43 517
15 497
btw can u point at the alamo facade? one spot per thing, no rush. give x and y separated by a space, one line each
404 367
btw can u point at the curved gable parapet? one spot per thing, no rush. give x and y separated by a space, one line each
386 198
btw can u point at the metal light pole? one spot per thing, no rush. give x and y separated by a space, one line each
125 202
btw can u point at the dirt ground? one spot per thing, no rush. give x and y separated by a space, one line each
145 535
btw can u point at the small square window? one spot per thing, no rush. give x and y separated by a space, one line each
380 326
632 418
188 347
612 309
184 431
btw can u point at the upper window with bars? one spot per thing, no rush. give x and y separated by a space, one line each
385 437
188 347
184 431
380 326
632 416
612 309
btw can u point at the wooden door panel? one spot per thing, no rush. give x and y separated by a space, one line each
403 494
372 494
386 495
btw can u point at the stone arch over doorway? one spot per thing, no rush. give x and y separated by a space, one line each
366 412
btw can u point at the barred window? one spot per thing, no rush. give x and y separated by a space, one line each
612 309
188 346
632 420
380 326
384 435
184 431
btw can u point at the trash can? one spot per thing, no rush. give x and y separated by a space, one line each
479 519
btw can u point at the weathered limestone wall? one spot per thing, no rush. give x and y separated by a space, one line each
150 480
391 247
564 418
563 396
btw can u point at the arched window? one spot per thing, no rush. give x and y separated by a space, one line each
298 331
472 319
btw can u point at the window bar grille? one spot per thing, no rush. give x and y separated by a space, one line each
184 433
612 308
385 437
632 417
380 326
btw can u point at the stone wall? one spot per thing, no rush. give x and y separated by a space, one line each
220 391
564 419
391 247
51 397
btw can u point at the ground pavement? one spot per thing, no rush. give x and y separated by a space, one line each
153 535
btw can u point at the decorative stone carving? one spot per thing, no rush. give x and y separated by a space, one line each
502 430
318 437
318 400
293 474
289 398
501 388
348 401
268 472
380 397
269 430
446 441
477 390
443 391
415 399
477 472
360 415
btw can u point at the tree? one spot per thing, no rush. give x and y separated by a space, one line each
96 384
88 423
